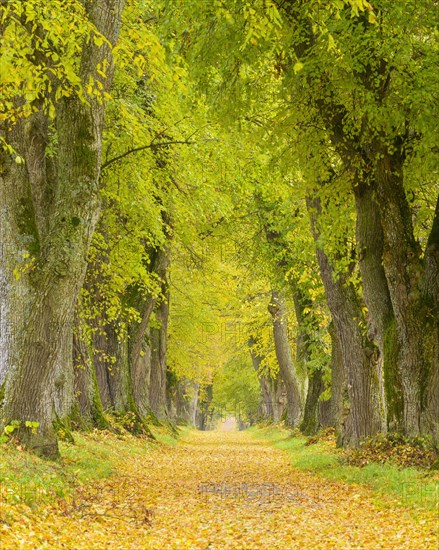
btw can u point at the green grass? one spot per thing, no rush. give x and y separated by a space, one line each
409 487
27 479
164 435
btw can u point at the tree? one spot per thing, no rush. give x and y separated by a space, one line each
50 200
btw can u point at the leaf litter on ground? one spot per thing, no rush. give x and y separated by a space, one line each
217 490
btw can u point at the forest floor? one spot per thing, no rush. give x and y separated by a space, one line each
215 490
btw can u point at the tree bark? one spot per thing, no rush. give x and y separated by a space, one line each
140 377
381 320
307 325
142 337
430 380
310 423
88 411
271 405
359 353
157 388
203 414
186 402
287 368
413 292
52 215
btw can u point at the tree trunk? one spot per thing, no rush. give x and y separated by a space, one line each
284 357
307 326
141 336
116 380
271 406
359 353
430 381
203 414
310 423
186 402
52 215
413 292
381 320
110 359
157 389
88 410
266 407
338 380
140 377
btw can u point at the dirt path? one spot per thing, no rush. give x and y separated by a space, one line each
221 490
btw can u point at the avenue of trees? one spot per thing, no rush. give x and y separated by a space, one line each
219 204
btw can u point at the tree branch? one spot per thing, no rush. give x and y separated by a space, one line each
142 148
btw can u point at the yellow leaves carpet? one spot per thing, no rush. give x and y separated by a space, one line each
220 490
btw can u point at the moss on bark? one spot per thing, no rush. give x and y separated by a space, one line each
392 385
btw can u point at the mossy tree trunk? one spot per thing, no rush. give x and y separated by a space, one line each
413 284
370 243
50 208
358 351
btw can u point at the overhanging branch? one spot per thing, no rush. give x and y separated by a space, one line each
142 148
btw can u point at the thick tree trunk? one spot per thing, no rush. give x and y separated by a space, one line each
359 353
430 381
381 320
140 377
52 216
115 379
324 416
140 355
266 412
340 416
103 367
288 371
110 359
37 375
414 306
338 380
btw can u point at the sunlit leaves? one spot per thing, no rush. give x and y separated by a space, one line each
41 44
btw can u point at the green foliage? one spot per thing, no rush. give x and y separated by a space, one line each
236 390
41 45
63 429
32 425
15 425
12 427
211 152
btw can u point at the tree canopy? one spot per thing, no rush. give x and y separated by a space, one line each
206 203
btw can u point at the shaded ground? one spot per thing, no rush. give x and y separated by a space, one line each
220 490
